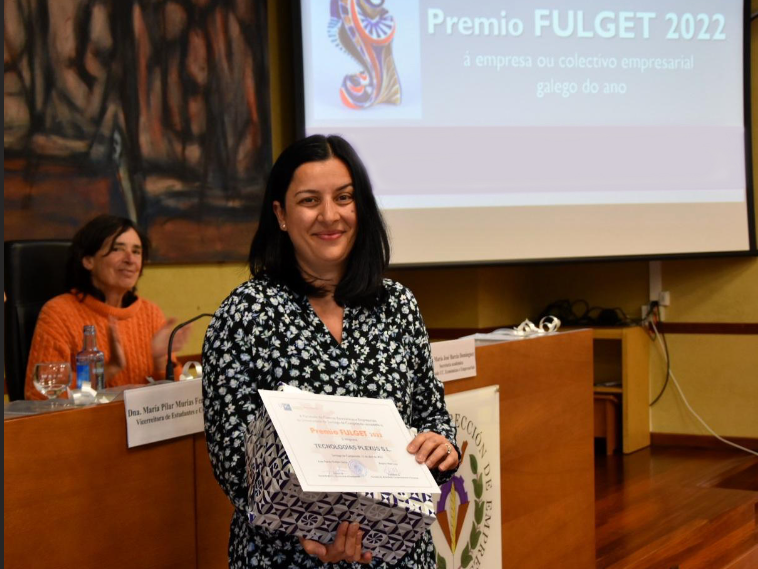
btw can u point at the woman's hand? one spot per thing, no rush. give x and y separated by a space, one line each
434 450
117 361
347 546
159 343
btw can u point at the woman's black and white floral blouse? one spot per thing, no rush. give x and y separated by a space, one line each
264 334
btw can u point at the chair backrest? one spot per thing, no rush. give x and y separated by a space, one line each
34 273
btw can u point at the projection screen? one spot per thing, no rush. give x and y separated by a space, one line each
512 130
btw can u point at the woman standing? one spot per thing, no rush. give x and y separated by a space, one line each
318 315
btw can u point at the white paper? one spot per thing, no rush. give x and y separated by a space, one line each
493 338
346 444
454 359
160 412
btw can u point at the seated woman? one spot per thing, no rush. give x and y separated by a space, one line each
104 263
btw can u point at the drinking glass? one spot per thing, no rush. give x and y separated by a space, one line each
52 378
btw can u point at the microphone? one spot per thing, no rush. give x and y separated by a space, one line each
170 362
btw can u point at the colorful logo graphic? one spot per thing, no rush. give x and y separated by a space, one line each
365 29
452 507
466 493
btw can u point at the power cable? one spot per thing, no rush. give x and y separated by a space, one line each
654 316
684 399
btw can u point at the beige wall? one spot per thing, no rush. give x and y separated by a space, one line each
185 291
719 374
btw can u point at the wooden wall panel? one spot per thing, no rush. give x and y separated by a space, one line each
75 496
546 447
214 512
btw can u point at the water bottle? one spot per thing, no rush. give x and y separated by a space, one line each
90 362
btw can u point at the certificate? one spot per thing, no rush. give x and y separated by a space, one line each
346 444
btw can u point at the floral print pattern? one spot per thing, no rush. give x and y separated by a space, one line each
263 335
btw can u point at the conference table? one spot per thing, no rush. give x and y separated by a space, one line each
76 496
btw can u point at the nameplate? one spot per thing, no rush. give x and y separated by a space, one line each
161 412
454 359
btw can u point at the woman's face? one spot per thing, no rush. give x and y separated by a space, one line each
319 216
116 267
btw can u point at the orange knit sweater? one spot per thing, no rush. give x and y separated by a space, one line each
59 336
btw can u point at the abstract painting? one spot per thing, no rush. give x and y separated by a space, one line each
157 110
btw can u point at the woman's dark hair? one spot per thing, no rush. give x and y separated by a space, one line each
88 241
272 253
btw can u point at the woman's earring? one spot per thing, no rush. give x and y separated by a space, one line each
284 226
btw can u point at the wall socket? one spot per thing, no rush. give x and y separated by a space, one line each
664 300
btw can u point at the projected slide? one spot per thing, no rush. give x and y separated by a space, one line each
484 104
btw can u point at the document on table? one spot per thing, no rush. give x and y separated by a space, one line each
346 444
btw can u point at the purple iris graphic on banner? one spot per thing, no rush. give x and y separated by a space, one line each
365 29
451 508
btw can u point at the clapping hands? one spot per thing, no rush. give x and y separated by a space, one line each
159 343
158 346
117 361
